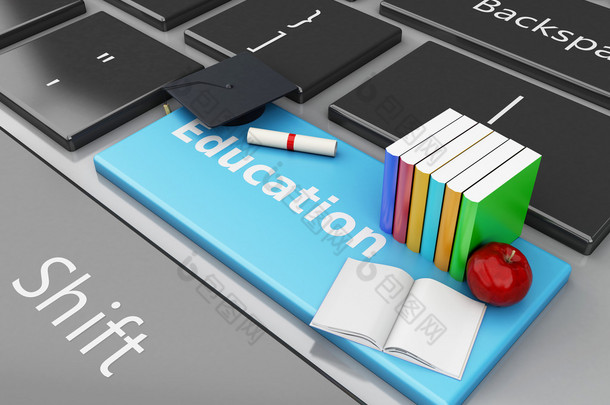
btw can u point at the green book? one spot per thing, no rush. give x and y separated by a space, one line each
494 209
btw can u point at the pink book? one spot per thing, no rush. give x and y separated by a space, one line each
406 169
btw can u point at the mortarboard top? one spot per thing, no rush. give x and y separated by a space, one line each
231 92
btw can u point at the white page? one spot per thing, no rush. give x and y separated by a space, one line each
437 325
364 300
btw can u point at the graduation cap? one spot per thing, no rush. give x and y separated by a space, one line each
232 92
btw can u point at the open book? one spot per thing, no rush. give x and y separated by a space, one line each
424 321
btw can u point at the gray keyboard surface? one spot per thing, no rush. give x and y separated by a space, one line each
560 359
182 343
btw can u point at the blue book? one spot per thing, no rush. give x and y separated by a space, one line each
287 222
436 188
432 218
392 157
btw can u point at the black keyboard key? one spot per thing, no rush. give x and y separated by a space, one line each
166 14
571 200
312 43
564 43
83 80
20 19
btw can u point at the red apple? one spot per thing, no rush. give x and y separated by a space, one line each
498 274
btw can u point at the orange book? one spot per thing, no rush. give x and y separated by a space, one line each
446 228
406 170
453 198
421 179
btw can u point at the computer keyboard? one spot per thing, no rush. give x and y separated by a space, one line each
87 78
543 39
22 19
314 43
165 15
95 122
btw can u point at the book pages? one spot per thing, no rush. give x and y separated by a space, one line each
363 302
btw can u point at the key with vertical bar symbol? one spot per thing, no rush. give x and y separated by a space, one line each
88 78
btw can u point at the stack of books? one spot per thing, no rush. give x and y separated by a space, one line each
454 184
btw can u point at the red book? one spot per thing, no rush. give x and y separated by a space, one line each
406 169
403 201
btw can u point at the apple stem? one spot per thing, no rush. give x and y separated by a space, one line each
511 256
